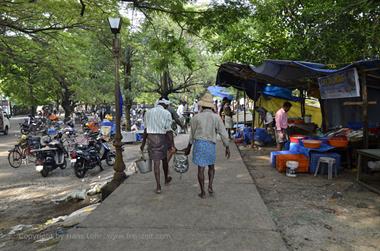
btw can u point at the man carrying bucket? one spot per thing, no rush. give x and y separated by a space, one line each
158 133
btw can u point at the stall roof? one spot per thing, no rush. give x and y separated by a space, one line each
286 73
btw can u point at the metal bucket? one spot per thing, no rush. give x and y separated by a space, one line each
144 164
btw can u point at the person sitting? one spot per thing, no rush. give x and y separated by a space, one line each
53 116
136 126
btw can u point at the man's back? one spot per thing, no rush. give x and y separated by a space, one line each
158 120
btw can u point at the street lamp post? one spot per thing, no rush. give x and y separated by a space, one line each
119 167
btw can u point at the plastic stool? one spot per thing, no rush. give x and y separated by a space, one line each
331 165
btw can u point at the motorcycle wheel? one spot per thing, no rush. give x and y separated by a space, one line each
45 172
80 170
64 165
111 159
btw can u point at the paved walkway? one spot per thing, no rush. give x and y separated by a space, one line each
135 218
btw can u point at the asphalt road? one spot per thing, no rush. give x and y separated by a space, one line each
26 174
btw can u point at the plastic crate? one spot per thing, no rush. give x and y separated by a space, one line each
314 157
300 158
274 154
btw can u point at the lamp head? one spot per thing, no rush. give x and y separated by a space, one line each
115 24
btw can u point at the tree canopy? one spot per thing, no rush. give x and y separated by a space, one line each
60 50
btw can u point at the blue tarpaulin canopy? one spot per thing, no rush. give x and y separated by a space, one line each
279 92
221 92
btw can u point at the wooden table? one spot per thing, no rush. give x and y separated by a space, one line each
371 153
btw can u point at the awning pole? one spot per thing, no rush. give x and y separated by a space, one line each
365 109
254 115
237 110
245 116
302 104
253 123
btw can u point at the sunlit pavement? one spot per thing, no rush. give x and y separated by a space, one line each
135 218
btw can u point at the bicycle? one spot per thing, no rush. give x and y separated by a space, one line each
22 153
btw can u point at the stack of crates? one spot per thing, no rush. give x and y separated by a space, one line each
273 156
300 158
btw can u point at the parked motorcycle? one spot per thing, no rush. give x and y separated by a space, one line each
51 156
84 158
32 125
104 151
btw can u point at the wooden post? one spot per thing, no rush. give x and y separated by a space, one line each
245 115
325 119
237 110
253 124
253 117
365 109
302 104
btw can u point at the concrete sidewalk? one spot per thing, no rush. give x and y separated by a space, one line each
135 218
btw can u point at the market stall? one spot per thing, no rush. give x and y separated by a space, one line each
349 99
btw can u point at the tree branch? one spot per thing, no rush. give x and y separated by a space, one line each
83 8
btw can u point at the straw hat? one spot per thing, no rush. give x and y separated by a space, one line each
207 101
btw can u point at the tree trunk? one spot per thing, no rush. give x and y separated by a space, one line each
165 82
66 102
128 87
33 100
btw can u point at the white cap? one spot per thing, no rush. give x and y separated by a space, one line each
163 101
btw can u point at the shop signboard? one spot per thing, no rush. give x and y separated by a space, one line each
344 84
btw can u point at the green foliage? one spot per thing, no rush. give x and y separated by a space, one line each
331 31
162 46
53 51
49 53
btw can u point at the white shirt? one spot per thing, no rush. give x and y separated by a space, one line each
180 110
158 120
195 107
268 118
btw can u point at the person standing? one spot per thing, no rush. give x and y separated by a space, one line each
157 130
195 107
281 119
181 114
204 129
175 121
228 113
181 109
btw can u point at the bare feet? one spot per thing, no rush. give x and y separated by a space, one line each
210 190
158 190
202 195
168 180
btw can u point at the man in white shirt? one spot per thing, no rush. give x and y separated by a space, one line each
157 133
195 107
181 109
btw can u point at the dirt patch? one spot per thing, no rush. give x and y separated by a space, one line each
313 213
33 206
